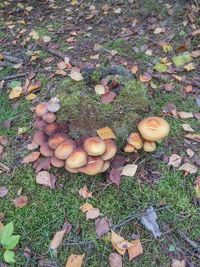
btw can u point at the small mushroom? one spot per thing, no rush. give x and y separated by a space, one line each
94 166
111 149
135 140
51 128
49 117
149 146
39 124
57 139
41 109
106 166
154 128
57 162
129 148
46 151
94 146
40 138
71 169
76 159
65 149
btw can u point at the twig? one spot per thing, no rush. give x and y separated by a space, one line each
189 241
14 76
4 167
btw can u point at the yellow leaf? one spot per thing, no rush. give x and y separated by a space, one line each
74 2
129 170
135 250
190 67
75 260
86 207
22 22
15 92
106 133
178 78
34 35
187 127
119 243
167 48
31 96
76 75
57 239
100 89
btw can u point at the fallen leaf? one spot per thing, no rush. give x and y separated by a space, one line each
190 67
145 78
159 30
94 56
92 213
129 169
177 263
115 176
115 260
118 161
42 164
15 92
192 136
182 59
167 48
3 191
177 77
153 85
196 53
160 67
185 115
100 89
119 243
67 227
3 140
188 168
102 226
167 86
196 32
134 70
135 250
76 75
106 133
83 192
62 65
75 260
174 160
31 157
20 202
46 39
61 72
108 98
86 207
57 239
31 96
190 152
34 35
187 127
46 179
149 221
188 88
34 86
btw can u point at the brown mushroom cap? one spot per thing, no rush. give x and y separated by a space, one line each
149 146
106 166
154 128
57 139
94 146
46 151
51 128
111 149
40 138
41 109
57 162
49 117
39 124
71 169
94 166
129 148
65 149
135 140
77 158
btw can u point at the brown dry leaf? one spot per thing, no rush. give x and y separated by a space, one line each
135 250
188 88
71 39
43 178
102 226
190 152
20 202
31 157
188 168
119 243
34 86
76 75
15 92
134 69
129 169
196 53
100 89
106 133
190 67
86 207
57 239
187 127
108 98
185 115
174 160
75 260
62 65
3 191
115 176
83 192
177 263
3 140
196 32
94 56
61 72
178 78
192 136
92 214
145 78
33 145
42 164
115 260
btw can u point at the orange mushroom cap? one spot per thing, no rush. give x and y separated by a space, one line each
129 148
106 166
41 109
135 140
65 149
71 169
111 149
46 151
76 159
57 139
51 128
49 117
39 124
94 166
40 138
149 146
57 162
94 146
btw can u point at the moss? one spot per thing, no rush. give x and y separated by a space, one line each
6 71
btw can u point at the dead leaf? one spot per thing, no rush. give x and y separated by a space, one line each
3 191
129 169
75 260
31 96
115 260
62 65
61 72
118 161
33 145
108 98
106 133
92 213
187 127
174 160
57 239
188 168
196 53
33 86
190 67
42 164
83 192
3 140
178 78
190 152
177 263
46 179
188 88
86 207
76 74
134 69
196 32
100 89
159 30
31 157
115 176
119 243
102 226
185 115
20 202
135 250
15 92
145 78
67 227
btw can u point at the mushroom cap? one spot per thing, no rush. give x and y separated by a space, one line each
57 162
71 169
135 140
49 117
39 124
76 159
51 128
149 146
40 137
154 128
55 140
65 149
41 109
106 166
46 151
111 149
129 148
94 146
94 166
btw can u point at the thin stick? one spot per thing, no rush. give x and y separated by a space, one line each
14 76
4 167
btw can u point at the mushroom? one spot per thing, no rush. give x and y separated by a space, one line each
65 149
57 139
135 140
49 117
76 159
129 148
40 138
94 166
111 149
39 124
149 146
46 151
57 162
41 109
154 128
51 128
71 169
94 146
106 166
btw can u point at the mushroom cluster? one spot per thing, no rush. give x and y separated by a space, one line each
91 156
151 129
